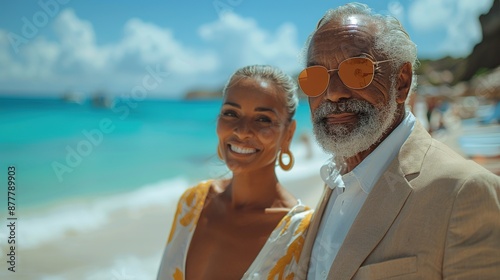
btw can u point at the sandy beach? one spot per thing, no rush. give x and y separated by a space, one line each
129 241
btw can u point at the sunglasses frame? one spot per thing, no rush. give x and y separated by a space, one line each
329 71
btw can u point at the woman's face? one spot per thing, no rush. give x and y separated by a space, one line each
253 125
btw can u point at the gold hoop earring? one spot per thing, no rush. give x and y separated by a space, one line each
219 153
291 160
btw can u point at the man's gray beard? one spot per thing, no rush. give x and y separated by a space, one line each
347 140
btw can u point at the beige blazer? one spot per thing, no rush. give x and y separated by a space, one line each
431 215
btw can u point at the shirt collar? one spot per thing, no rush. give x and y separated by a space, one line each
331 175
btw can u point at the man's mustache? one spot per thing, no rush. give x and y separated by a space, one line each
348 106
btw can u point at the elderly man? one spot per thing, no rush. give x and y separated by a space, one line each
404 206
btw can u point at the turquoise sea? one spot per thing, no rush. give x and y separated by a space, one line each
66 151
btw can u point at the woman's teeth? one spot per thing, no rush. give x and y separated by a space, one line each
240 150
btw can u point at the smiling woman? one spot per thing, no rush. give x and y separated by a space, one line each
253 107
249 220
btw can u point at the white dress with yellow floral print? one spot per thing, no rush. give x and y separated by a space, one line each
277 260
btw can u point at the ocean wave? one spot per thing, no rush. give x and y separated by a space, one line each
70 218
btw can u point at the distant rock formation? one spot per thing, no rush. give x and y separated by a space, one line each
203 94
476 75
100 99
73 97
485 54
217 94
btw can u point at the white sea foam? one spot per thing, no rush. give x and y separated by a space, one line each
127 267
37 228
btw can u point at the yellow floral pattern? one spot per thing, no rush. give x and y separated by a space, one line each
178 275
293 251
277 259
193 199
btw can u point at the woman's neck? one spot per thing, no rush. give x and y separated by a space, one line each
257 191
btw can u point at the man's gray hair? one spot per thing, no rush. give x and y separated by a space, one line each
280 79
390 37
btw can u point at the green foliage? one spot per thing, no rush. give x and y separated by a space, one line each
480 72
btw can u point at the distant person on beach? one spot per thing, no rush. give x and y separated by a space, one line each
398 204
248 226
306 140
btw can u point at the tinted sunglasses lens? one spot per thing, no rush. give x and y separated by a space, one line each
314 80
356 73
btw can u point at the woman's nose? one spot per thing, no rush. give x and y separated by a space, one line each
243 129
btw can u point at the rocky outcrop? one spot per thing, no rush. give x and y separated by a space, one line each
485 53
476 75
203 94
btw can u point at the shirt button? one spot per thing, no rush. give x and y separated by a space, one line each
323 274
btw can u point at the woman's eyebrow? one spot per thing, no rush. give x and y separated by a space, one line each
265 109
258 109
232 104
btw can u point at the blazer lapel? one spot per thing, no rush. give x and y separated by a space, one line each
382 206
374 219
311 234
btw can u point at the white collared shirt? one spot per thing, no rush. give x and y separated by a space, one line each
348 196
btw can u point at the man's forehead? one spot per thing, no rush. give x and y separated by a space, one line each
353 22
349 38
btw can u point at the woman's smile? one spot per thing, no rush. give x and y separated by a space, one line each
242 150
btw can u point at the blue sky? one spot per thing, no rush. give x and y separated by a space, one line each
166 47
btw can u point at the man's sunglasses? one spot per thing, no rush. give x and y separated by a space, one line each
355 73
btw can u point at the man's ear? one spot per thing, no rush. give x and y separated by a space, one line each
403 85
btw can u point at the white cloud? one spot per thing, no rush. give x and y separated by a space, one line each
75 61
77 46
457 19
240 41
396 9
5 56
149 44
